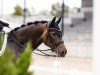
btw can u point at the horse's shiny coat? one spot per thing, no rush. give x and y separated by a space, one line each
38 32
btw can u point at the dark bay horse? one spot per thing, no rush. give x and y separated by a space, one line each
38 32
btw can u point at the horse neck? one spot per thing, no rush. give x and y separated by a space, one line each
41 31
33 33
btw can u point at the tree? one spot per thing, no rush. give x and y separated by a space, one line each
20 67
18 11
57 9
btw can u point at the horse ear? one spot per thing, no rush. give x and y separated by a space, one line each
58 21
52 22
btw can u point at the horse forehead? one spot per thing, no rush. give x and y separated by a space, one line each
58 32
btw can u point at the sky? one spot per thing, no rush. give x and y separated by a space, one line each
37 5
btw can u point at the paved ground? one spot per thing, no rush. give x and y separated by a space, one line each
42 65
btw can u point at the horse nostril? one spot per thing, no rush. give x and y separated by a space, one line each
63 53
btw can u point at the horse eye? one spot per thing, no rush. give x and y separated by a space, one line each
54 34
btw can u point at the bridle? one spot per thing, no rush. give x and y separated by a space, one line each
54 45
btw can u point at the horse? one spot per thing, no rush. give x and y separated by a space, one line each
2 25
47 32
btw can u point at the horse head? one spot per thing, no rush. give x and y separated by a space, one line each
53 38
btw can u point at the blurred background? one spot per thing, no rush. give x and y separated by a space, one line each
76 26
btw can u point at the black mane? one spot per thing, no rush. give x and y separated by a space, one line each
36 22
29 23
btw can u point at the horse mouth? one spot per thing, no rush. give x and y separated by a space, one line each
61 56
62 53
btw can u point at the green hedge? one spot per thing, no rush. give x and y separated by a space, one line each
8 65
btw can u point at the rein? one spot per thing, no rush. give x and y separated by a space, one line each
42 52
39 50
50 26
4 44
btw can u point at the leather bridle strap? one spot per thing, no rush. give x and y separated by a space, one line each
52 41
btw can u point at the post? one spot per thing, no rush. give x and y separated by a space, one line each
62 14
1 13
24 12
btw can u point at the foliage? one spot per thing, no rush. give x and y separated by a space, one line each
19 67
57 9
18 11
1 39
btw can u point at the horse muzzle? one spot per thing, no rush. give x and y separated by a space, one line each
61 50
62 53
